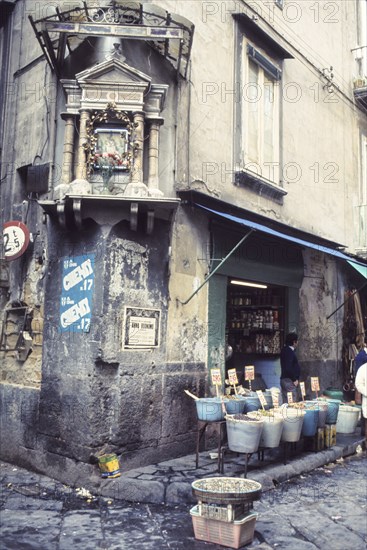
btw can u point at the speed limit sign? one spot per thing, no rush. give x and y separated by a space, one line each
16 239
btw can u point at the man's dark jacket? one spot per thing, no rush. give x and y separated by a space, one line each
289 364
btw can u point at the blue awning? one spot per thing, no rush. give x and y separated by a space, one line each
359 265
362 269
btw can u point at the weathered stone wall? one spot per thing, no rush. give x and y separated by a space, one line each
94 394
320 338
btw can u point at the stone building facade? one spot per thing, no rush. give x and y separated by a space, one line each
141 145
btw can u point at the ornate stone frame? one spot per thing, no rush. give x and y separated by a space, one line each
108 116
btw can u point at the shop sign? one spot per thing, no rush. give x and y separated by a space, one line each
141 328
77 294
315 386
216 377
250 372
16 238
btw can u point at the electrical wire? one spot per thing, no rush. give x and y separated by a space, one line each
303 57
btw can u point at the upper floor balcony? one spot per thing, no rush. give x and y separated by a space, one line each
360 91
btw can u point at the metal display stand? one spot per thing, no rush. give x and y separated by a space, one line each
219 428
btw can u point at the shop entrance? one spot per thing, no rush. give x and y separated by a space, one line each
255 321
252 319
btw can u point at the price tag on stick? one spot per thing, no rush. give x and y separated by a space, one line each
262 399
216 379
290 397
303 390
233 380
315 386
249 374
275 398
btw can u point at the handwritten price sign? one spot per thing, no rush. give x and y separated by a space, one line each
232 376
275 398
261 397
216 377
250 372
290 397
303 389
315 386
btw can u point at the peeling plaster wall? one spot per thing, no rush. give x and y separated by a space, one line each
25 288
188 268
95 395
320 339
26 128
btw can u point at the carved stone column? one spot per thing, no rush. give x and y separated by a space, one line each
81 169
67 160
137 187
137 173
153 156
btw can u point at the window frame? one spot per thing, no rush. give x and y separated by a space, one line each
267 67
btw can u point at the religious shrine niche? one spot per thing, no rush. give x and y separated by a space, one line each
113 107
110 149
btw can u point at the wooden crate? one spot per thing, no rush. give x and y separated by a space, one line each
330 435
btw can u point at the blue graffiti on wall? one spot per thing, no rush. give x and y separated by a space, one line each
77 294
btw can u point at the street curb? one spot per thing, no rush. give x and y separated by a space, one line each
172 492
170 482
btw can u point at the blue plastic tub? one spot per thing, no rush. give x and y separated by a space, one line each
236 405
323 409
252 403
210 409
310 420
332 410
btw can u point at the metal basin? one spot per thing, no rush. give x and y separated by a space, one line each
226 490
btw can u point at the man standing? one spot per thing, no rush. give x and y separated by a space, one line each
290 373
360 358
361 385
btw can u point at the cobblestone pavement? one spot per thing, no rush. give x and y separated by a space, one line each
324 509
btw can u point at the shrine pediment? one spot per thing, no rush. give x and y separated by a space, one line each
112 71
112 81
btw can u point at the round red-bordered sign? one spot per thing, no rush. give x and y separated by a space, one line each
16 239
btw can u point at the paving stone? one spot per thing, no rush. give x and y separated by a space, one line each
178 492
323 509
135 490
148 469
29 529
21 502
81 527
291 543
320 533
18 477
